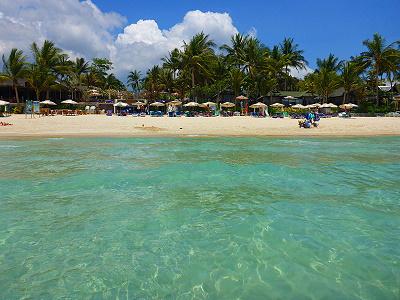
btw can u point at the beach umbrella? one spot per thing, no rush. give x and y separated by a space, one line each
348 106
277 105
3 103
241 97
227 104
209 103
317 105
331 105
158 104
325 105
121 104
258 105
299 106
139 103
175 103
191 104
290 98
48 102
69 101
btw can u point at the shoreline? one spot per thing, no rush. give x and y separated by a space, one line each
97 126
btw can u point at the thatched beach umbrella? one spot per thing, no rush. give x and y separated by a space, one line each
191 104
209 103
157 104
227 104
258 105
277 105
175 103
299 106
348 106
241 98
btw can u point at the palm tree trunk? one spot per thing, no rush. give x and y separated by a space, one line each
286 71
47 94
16 93
344 97
37 94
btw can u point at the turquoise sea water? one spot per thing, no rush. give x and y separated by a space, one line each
200 218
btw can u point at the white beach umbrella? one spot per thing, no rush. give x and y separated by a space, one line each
3 103
299 106
331 105
158 104
48 102
69 101
348 106
258 105
290 98
121 104
209 103
191 104
228 104
139 103
277 105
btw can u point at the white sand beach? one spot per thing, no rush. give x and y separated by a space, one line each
101 125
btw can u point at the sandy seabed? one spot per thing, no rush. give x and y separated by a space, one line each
101 125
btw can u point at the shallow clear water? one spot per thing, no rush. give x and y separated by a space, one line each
216 218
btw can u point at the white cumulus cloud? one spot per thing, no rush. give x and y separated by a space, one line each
143 44
81 29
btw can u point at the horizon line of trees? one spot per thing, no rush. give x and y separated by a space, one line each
201 70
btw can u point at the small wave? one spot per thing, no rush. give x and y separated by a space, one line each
55 139
9 146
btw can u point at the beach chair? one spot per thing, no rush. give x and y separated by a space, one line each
109 113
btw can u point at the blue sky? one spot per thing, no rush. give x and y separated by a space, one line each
319 27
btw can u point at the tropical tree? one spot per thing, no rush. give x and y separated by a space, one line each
331 63
293 56
349 78
325 81
14 68
134 79
196 56
39 78
379 57
47 60
173 61
235 53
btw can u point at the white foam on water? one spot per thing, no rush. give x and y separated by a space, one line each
9 146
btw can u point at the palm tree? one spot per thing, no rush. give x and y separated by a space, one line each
379 57
331 63
235 53
173 61
236 79
39 78
134 79
196 56
325 82
47 58
293 56
14 68
349 78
